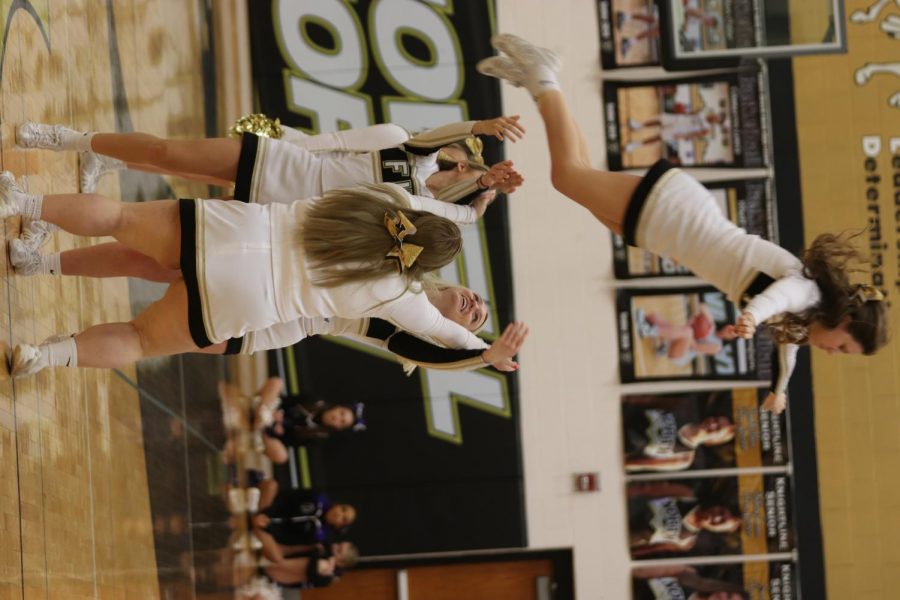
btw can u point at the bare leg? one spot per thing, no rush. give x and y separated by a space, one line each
161 330
268 489
604 193
147 168
217 158
151 228
114 259
275 450
288 571
271 549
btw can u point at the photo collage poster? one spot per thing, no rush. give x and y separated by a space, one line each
684 334
695 431
705 121
747 204
758 580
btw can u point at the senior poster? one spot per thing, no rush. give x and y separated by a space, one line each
747 204
761 580
743 514
629 33
711 121
686 333
717 429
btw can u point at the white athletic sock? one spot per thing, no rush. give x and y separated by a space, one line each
50 265
60 351
29 205
539 79
69 139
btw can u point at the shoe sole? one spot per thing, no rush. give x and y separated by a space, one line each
551 59
489 67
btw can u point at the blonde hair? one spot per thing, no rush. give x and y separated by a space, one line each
829 261
346 241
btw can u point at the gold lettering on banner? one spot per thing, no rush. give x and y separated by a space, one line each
747 443
753 502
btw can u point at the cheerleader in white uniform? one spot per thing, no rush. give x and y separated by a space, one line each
443 162
667 212
270 170
246 267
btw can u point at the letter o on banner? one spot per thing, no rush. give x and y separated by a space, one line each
440 77
343 65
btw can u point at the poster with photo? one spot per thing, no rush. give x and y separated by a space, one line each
686 333
762 580
709 121
742 514
691 431
748 204
629 33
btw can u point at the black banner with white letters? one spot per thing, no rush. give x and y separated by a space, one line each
439 464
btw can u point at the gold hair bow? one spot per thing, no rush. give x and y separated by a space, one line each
476 147
405 253
867 293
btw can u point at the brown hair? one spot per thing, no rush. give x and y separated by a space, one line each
829 261
346 241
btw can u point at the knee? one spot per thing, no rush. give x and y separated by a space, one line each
144 341
562 176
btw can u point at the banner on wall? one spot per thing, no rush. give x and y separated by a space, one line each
685 333
692 431
763 580
742 514
708 121
439 465
747 204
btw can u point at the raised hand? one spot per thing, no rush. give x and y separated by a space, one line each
775 403
496 175
745 326
512 182
504 348
502 128
483 200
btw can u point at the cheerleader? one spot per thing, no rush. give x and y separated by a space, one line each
443 163
246 267
264 169
806 300
456 303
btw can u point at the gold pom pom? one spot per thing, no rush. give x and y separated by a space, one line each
258 124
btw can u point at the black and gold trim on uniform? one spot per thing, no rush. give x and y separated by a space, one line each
395 167
234 345
187 211
419 352
756 287
636 204
244 180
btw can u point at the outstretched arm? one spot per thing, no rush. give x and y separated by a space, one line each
784 367
502 128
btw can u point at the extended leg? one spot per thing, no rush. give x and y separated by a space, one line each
151 228
605 194
216 158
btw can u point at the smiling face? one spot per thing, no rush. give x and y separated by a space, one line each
460 305
834 341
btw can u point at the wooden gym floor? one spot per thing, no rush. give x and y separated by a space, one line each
79 516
